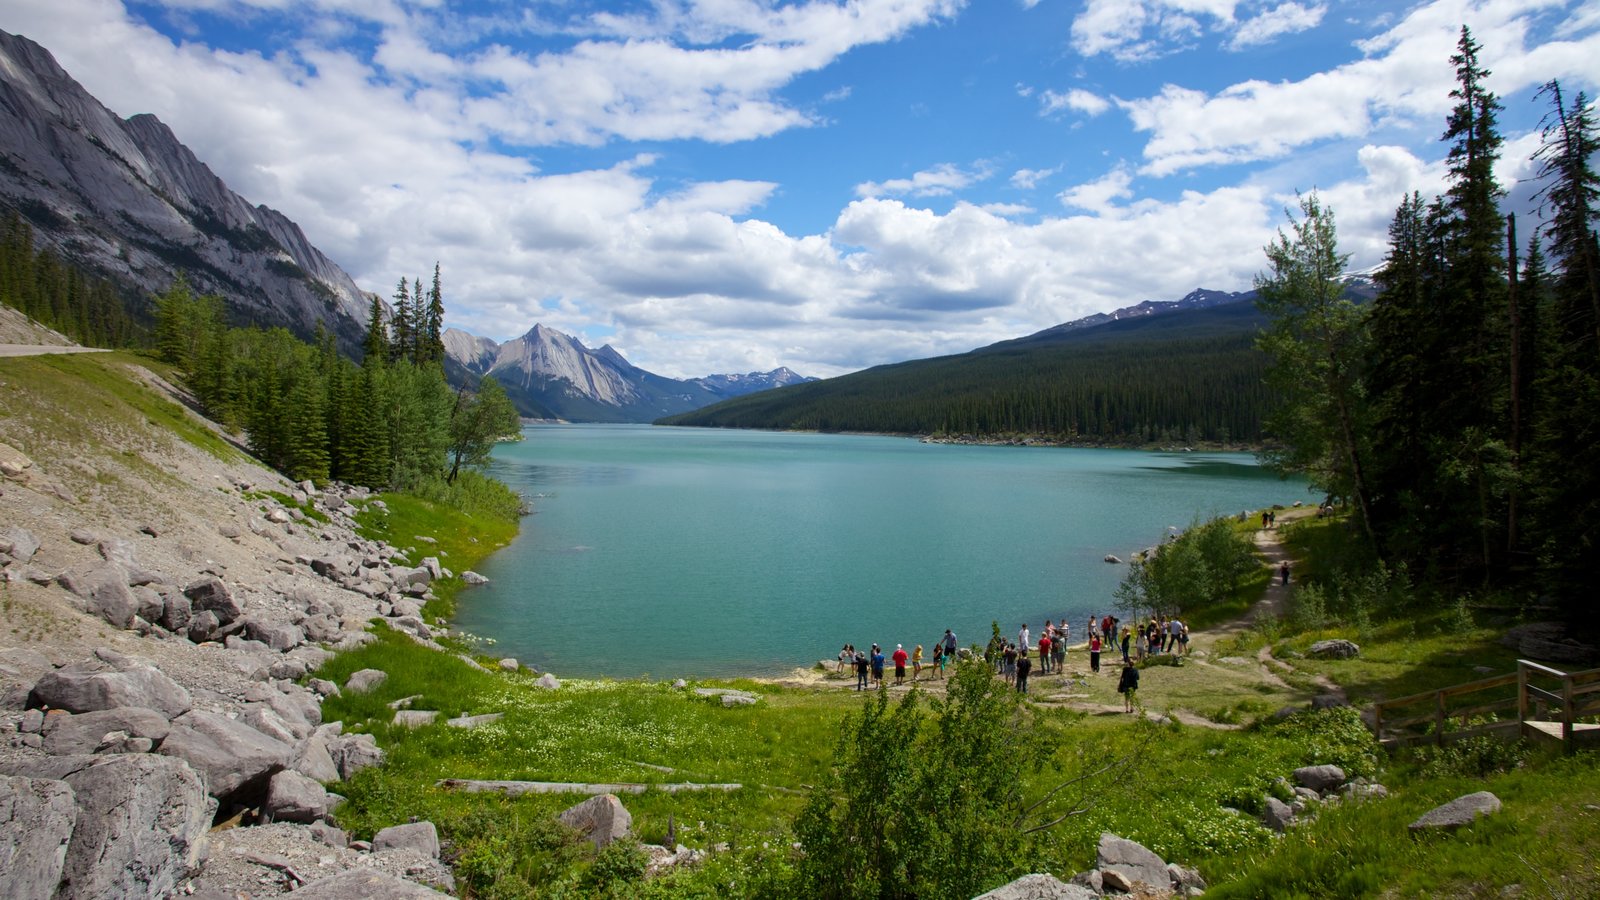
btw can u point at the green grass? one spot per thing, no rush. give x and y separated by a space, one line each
460 540
85 403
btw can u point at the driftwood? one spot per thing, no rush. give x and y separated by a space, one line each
518 788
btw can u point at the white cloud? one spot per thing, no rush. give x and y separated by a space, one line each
1028 179
1404 80
939 181
1100 196
1076 99
1286 18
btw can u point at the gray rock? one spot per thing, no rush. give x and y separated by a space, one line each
103 588
1116 882
1335 649
601 818
176 612
739 698
209 594
150 605
1091 880
1360 792
1132 860
236 760
471 577
329 835
473 721
548 682
411 625
415 718
141 826
509 664
297 705
354 752
264 719
95 684
18 543
364 884
1328 701
1038 887
1185 878
435 571
323 628
292 797
32 721
323 687
1319 778
364 680
419 836
1277 814
1307 794
37 816
277 636
203 626
1458 812
312 759
82 536
83 734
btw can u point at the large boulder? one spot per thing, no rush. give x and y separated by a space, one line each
141 828
84 733
1338 648
1277 815
364 680
354 752
364 884
109 680
18 543
1039 887
1319 778
236 760
313 760
37 816
1458 812
419 836
209 594
103 588
601 818
292 797
1131 860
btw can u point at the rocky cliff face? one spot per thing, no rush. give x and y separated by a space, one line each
125 198
549 374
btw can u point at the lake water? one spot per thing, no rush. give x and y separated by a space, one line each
678 552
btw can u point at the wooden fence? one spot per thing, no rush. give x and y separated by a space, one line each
1546 702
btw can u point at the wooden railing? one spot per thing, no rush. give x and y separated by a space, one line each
1546 702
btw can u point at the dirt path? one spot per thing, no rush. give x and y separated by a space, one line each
41 349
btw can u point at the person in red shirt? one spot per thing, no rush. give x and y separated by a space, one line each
899 664
1044 653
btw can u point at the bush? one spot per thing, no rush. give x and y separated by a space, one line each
1476 757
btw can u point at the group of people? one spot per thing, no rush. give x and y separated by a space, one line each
872 664
1014 660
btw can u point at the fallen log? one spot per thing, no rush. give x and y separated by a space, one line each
518 788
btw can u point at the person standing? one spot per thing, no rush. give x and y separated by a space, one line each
1008 663
1283 572
1045 643
877 666
916 663
1023 641
1024 666
938 660
949 644
900 663
1174 629
1128 685
1058 650
1127 639
1094 652
861 671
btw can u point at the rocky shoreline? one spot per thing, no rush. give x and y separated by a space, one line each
161 608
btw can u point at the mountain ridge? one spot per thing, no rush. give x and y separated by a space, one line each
124 198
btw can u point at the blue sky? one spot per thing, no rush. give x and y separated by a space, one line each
734 185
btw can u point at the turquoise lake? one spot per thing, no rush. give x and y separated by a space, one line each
678 552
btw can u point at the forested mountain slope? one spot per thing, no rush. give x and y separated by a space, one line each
1186 376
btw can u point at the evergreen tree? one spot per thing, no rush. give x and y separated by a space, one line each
434 350
400 324
375 349
1317 341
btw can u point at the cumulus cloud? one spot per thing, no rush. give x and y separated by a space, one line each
1076 99
939 181
1286 18
1404 79
1100 195
1028 179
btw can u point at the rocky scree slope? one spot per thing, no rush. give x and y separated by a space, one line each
159 611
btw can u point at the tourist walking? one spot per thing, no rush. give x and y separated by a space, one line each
1174 631
1024 666
1094 652
1128 685
1283 571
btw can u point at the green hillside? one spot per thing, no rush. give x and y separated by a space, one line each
1187 377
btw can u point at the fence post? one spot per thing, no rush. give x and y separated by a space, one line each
1522 692
1566 713
1439 720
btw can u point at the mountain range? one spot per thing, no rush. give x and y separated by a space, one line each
552 375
